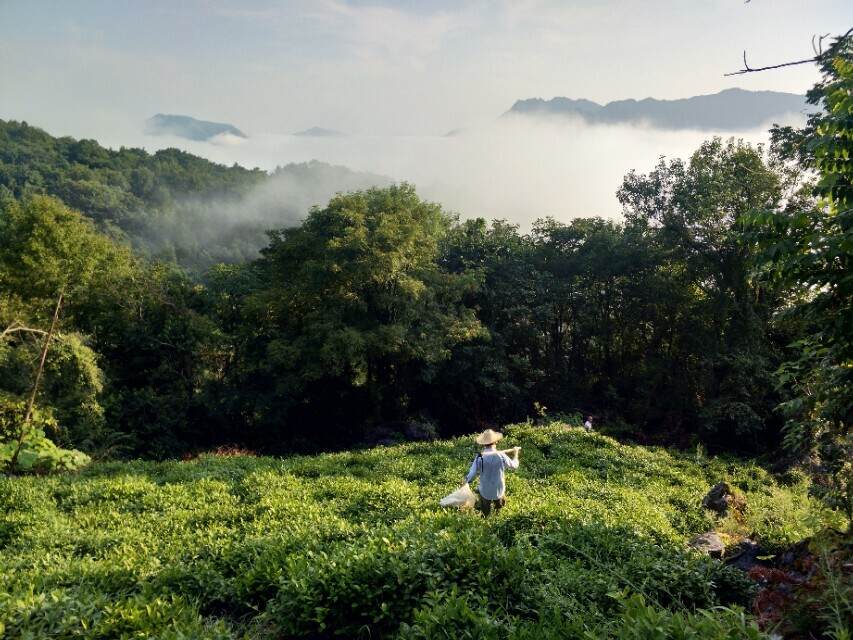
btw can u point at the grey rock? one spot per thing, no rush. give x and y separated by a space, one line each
709 543
718 498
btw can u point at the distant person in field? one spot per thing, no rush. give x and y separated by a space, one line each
587 425
490 465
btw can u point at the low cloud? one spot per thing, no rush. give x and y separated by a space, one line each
200 232
227 140
518 169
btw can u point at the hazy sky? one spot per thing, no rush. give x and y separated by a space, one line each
88 67
400 75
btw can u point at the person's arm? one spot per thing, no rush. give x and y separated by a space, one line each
511 462
473 471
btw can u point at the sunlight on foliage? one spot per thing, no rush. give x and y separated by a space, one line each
354 543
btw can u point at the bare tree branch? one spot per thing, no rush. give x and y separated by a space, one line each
748 69
818 50
15 327
31 403
817 47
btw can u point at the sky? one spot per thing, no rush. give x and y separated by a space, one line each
399 68
382 70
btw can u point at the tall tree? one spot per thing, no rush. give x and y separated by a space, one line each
810 251
355 299
716 328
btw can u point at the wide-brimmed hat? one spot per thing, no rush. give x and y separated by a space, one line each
489 437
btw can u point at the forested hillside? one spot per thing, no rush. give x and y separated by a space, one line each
381 307
170 205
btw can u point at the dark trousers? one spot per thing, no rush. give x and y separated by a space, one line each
487 507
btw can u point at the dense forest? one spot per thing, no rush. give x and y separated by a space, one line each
382 307
722 296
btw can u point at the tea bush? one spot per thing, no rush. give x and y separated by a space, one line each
590 545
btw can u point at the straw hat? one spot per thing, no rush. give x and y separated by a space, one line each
489 437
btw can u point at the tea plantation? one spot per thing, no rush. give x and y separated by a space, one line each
590 545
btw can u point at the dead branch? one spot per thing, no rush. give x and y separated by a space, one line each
748 69
15 328
817 47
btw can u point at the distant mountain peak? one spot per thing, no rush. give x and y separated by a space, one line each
188 127
728 110
320 132
580 105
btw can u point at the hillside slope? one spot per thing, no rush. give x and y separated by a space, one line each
354 543
170 204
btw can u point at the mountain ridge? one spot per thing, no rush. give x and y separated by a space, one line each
164 124
731 109
319 132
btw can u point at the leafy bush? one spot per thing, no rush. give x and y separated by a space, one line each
643 622
354 544
35 451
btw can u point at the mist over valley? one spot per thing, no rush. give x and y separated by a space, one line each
525 165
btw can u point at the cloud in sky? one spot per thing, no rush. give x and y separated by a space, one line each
397 75
381 67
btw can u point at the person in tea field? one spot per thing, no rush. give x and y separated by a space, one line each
587 425
490 465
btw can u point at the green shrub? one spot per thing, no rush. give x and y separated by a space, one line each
643 622
35 451
451 616
355 544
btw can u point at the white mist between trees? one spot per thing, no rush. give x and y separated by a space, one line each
518 168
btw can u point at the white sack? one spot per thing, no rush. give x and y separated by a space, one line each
462 497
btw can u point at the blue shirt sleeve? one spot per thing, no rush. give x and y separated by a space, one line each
509 463
473 471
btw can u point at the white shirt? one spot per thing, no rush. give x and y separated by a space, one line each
490 465
587 425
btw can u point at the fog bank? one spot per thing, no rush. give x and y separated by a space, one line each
517 168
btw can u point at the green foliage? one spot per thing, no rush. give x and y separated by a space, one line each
807 248
450 615
72 385
716 317
354 544
36 453
132 348
642 622
355 298
655 321
46 247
